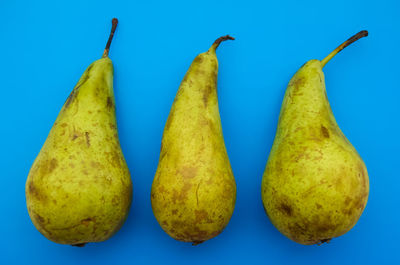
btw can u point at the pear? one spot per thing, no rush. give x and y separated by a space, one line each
315 185
193 193
79 188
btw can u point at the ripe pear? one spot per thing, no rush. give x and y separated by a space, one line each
193 193
79 188
315 185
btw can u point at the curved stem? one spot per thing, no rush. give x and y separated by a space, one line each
354 38
218 41
114 26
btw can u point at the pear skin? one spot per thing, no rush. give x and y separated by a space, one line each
193 193
79 188
315 185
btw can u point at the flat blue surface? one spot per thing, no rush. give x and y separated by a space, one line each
46 46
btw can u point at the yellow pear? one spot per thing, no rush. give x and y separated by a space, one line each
79 188
315 185
193 193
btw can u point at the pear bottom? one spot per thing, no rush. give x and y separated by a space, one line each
314 208
79 217
197 212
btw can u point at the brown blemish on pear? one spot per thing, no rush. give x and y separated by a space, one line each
324 131
315 185
194 184
187 172
79 188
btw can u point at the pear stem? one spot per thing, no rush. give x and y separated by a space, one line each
354 38
218 41
114 26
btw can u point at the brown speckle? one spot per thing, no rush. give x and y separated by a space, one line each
338 182
324 131
95 164
348 211
69 99
32 189
87 139
110 104
297 83
116 159
286 209
87 221
46 167
182 195
186 187
177 225
197 193
115 200
359 202
162 190
202 216
323 228
53 165
188 172
206 94
309 191
163 153
198 59
80 83
169 120
39 218
363 175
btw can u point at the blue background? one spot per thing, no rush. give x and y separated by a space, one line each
46 45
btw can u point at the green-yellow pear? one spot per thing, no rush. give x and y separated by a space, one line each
193 193
79 188
315 185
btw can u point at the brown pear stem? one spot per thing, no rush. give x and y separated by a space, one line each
354 38
114 26
218 41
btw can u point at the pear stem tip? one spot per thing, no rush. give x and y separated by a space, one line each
114 23
352 39
218 41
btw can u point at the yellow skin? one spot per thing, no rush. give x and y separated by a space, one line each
315 185
193 193
79 188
